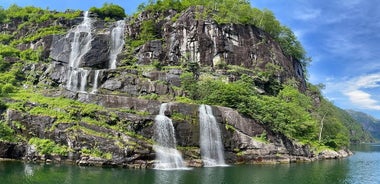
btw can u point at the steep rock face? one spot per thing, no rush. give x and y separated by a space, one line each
185 40
189 39
125 150
97 57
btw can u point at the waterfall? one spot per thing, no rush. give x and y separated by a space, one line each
210 138
80 45
167 156
83 81
95 83
117 42
72 81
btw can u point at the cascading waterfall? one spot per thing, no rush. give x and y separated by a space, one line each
79 47
72 81
83 81
210 138
95 84
117 42
167 156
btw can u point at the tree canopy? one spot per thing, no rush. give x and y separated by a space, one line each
109 11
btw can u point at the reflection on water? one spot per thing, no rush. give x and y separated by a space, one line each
168 176
363 167
28 170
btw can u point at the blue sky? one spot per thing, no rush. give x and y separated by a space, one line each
341 36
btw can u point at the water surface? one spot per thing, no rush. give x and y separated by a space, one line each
363 167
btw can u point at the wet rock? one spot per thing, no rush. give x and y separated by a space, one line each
98 55
12 150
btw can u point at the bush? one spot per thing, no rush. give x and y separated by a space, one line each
4 66
47 146
6 132
7 88
8 51
109 11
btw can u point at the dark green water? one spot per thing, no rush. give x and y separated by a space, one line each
363 167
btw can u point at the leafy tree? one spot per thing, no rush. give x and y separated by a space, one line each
6 132
110 11
291 46
190 85
3 15
147 32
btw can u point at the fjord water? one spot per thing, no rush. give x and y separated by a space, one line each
363 167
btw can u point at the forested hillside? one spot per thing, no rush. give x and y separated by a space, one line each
368 122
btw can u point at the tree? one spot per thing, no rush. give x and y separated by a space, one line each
3 15
110 11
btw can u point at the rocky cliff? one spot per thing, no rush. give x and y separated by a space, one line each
186 40
130 95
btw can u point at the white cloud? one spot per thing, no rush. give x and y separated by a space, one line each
363 99
355 91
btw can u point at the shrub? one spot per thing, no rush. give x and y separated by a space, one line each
47 146
109 11
7 88
6 132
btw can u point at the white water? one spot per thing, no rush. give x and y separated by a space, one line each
167 156
83 81
95 84
210 138
80 45
117 42
72 81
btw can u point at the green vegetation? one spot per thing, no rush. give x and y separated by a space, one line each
40 33
95 152
109 11
288 111
6 132
63 109
147 33
47 146
368 122
30 14
30 28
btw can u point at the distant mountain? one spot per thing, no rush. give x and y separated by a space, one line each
369 123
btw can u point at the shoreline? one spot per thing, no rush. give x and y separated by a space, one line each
192 163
